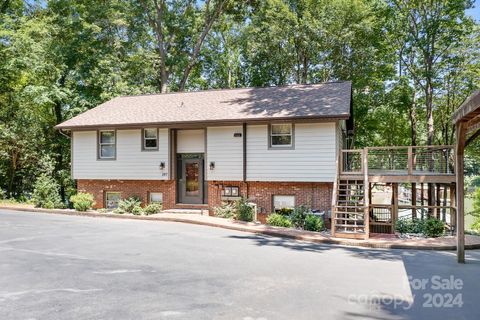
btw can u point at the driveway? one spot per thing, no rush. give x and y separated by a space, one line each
71 267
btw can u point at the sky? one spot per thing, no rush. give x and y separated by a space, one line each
475 12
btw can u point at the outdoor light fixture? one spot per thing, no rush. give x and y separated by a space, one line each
237 135
212 165
162 165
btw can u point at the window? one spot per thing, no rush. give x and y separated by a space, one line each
150 139
283 202
112 199
106 144
281 135
156 197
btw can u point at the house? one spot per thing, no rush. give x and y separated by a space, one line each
276 146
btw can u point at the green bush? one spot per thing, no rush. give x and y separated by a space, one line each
82 201
430 227
284 211
279 220
3 194
298 216
152 208
118 211
244 211
46 193
226 210
128 205
137 210
313 223
433 228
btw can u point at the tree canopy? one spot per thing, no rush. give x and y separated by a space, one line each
411 63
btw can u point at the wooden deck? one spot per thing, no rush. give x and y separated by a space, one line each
355 216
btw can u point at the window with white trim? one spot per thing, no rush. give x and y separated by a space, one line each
283 202
281 135
106 144
112 199
156 197
150 139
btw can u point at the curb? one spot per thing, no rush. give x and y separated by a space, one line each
245 227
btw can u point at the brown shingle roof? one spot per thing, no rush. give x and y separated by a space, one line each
326 100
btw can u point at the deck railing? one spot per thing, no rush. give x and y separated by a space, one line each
424 160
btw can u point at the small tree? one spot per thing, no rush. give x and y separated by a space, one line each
46 193
476 210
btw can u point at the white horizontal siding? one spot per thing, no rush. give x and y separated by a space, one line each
226 151
131 162
191 141
311 160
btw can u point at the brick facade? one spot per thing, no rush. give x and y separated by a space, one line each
316 195
140 188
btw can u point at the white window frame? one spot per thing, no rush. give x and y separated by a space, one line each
271 135
100 144
150 197
106 198
144 139
283 195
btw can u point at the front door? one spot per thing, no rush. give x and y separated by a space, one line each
190 183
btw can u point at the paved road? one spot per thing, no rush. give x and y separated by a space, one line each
67 267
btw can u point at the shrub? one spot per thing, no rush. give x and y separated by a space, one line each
137 210
128 205
404 225
82 201
244 211
298 216
226 210
433 227
152 208
313 223
46 193
118 211
3 194
284 211
279 220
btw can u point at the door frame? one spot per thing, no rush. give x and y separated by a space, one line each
182 160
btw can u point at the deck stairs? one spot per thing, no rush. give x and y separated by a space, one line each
349 209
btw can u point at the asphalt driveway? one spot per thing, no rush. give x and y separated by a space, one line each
71 267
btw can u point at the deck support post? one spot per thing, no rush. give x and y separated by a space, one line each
459 167
414 200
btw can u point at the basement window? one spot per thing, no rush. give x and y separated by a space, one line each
112 199
150 139
283 202
156 197
281 135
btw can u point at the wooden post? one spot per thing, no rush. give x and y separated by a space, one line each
453 207
459 153
394 204
414 200
410 161
366 186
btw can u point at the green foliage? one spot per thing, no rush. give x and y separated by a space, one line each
130 204
430 227
226 210
152 208
313 223
137 210
46 193
299 215
244 211
3 194
118 211
82 201
284 211
279 220
433 228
